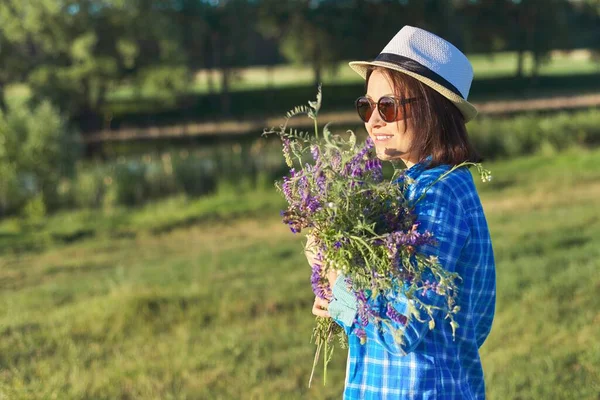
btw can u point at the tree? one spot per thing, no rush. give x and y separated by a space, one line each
306 30
74 52
37 149
539 28
230 24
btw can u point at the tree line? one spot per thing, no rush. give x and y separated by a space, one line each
74 52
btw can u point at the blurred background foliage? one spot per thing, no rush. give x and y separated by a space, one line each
84 55
87 67
141 251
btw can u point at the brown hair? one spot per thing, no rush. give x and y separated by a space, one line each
440 129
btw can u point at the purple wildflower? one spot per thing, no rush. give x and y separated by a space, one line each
321 183
294 221
347 169
336 161
316 281
430 286
354 166
366 147
340 243
286 188
308 203
409 240
363 315
356 172
374 167
395 315
287 151
320 288
302 183
365 309
362 335
314 150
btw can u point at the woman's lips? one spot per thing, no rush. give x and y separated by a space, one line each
382 138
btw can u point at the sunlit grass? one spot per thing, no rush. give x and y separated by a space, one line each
170 301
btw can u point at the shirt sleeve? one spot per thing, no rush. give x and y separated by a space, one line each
343 306
440 213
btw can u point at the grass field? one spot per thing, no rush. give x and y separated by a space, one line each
210 299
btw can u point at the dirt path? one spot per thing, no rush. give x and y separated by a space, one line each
346 117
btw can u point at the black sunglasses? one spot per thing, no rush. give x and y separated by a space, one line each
390 108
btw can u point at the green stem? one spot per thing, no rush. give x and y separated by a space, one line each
366 246
364 257
325 362
316 359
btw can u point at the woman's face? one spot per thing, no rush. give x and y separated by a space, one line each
390 138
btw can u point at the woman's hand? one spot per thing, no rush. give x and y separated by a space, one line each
320 308
332 276
310 250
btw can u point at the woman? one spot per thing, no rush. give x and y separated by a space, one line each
415 109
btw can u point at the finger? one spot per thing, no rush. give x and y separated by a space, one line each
332 279
332 276
321 303
320 313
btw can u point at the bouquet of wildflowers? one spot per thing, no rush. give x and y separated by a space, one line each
360 224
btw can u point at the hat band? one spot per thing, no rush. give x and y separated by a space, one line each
413 66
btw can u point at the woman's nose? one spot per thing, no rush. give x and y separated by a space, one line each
375 121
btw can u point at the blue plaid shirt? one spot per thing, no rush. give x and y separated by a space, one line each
430 364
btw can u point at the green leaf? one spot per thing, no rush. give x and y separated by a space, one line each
297 111
316 105
352 139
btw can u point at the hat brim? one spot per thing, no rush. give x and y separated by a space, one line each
467 109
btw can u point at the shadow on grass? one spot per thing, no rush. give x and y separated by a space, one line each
70 269
23 329
163 310
39 238
21 243
74 236
195 220
542 243
498 184
13 280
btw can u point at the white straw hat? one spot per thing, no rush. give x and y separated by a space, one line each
429 59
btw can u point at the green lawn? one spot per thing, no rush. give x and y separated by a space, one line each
179 301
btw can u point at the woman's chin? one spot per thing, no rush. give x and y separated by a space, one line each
386 155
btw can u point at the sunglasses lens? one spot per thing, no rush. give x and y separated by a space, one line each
387 109
364 109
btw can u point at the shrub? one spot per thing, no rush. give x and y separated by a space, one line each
505 137
90 188
195 176
129 183
37 149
